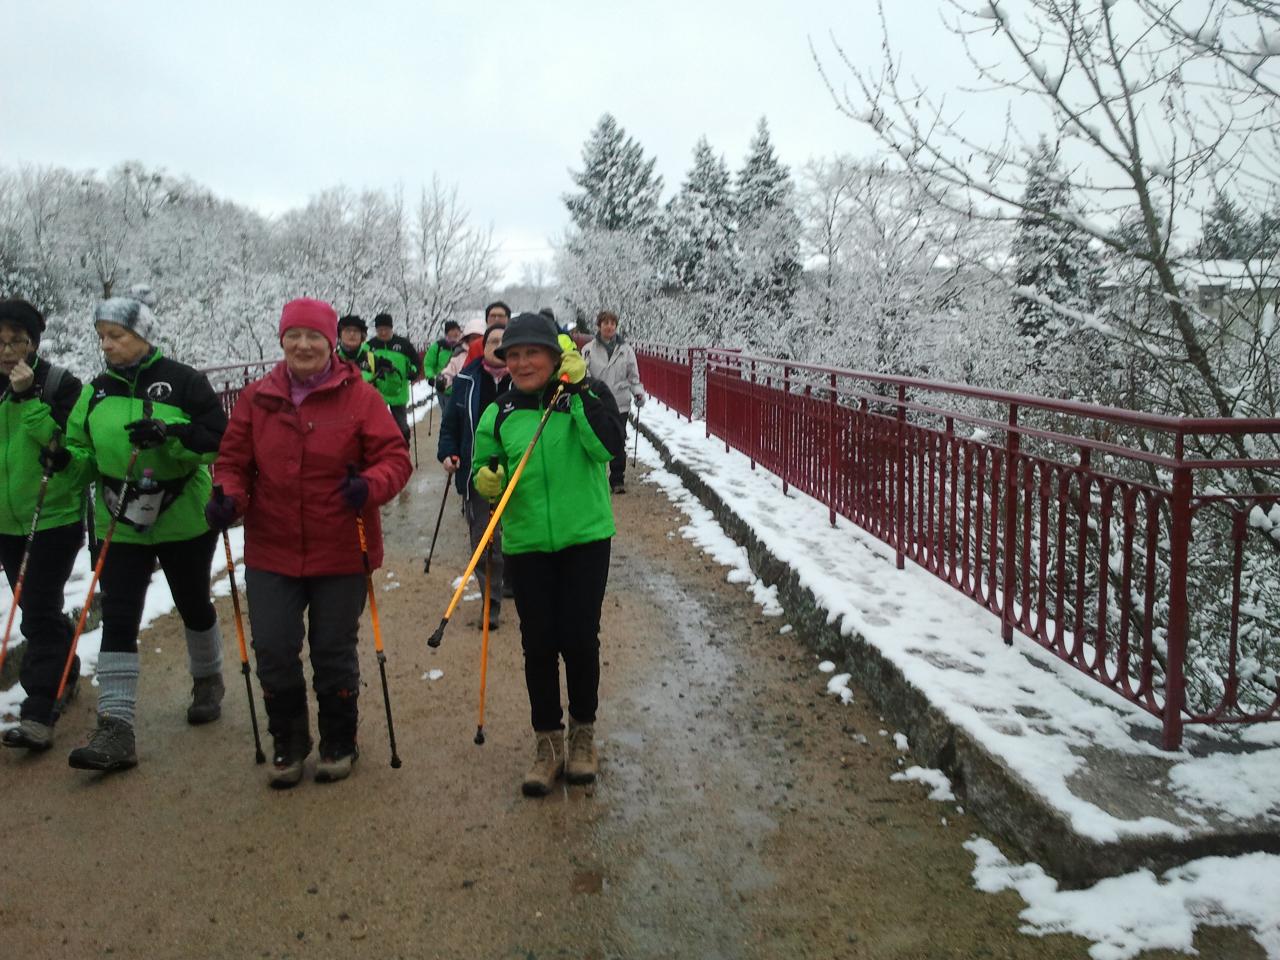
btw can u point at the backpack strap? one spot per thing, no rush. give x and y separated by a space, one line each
52 382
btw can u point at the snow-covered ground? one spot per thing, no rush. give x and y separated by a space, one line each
1021 703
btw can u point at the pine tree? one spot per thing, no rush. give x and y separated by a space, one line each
619 190
768 236
700 226
1228 233
1051 256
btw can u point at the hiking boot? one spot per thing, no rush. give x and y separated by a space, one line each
339 717
206 700
110 747
548 763
617 486
335 763
291 751
30 734
582 763
495 618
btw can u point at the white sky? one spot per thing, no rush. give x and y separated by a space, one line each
269 102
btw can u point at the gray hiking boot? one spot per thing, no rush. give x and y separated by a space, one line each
330 769
206 700
582 764
548 763
110 747
30 735
291 751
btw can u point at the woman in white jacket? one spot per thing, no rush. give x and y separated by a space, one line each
612 360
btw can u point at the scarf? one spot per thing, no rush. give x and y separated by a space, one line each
299 390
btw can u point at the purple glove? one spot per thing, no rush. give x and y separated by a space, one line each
355 490
221 511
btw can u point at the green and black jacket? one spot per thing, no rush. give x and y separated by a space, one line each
562 498
397 364
28 422
362 358
178 394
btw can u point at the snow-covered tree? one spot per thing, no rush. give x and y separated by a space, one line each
1229 233
618 188
1052 257
768 243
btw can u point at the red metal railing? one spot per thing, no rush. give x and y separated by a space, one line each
228 380
667 373
1077 525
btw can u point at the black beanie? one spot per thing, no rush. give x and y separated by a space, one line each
383 320
352 320
24 315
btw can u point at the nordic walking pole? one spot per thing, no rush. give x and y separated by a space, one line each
426 566
484 638
103 547
415 443
52 448
377 629
258 755
635 453
438 637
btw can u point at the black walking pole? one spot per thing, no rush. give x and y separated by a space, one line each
377 630
635 453
426 565
51 449
415 443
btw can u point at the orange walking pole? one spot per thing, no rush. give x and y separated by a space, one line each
97 572
377 632
258 756
484 638
26 551
438 637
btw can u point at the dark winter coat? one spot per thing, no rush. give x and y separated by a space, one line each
96 436
461 415
28 422
562 497
284 465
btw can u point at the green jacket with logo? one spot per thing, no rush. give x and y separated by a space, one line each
28 422
362 358
397 364
562 497
178 394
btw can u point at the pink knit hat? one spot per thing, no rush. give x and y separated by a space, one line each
313 314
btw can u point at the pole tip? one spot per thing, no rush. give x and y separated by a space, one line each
260 757
438 637
395 763
426 565
479 736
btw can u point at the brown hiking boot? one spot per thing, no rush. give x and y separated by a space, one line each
548 763
582 762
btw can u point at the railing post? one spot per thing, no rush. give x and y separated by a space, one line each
786 426
832 450
1175 693
900 511
1011 447
753 418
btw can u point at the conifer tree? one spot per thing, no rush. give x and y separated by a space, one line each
1228 232
768 236
619 190
1051 256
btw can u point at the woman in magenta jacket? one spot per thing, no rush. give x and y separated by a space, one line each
285 466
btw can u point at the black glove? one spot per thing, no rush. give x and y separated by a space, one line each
221 511
355 491
146 434
54 460
383 368
442 385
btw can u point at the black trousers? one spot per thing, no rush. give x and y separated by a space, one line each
399 413
618 465
126 574
48 632
332 607
558 597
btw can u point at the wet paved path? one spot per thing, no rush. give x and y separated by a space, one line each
739 813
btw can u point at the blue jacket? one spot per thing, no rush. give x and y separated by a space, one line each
461 414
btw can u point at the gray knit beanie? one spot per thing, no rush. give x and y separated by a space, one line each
132 312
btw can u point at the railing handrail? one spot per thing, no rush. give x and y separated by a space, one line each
729 359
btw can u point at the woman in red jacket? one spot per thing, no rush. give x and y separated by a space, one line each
284 466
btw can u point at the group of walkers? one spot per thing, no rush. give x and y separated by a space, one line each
310 453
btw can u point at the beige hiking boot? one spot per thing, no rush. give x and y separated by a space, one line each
582 762
548 763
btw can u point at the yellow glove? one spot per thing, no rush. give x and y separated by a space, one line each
572 366
490 483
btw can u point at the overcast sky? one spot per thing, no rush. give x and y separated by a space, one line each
268 102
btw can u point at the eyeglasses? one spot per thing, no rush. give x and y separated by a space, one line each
15 346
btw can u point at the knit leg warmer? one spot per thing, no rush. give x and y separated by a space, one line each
204 651
118 685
